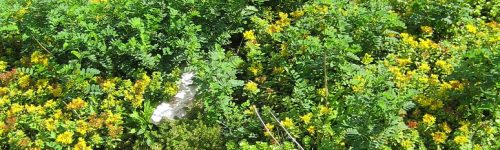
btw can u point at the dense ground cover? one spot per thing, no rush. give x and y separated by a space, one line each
291 74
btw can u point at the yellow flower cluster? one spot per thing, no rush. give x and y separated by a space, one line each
279 24
77 103
252 87
306 118
430 102
65 138
38 57
429 119
287 123
439 137
426 29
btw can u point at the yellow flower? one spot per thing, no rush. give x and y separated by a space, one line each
4 100
252 87
249 35
426 29
15 108
324 110
273 28
31 108
310 129
81 145
50 124
255 70
297 14
82 127
269 126
439 137
403 62
456 84
287 122
50 104
465 127
446 128
471 28
108 85
424 67
423 79
429 119
427 43
58 114
65 138
460 140
113 118
3 66
170 88
39 58
306 118
76 103
367 59
407 144
24 81
408 39
322 92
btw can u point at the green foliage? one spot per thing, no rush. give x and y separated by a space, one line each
363 74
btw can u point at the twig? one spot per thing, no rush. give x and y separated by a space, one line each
288 133
265 127
42 46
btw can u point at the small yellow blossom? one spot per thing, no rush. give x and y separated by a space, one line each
322 92
16 108
446 128
252 87
297 13
429 119
50 104
81 145
424 67
249 35
269 126
403 62
24 81
82 127
460 140
426 29
407 144
287 122
76 103
58 114
471 28
65 138
439 137
310 129
306 118
324 110
38 57
50 124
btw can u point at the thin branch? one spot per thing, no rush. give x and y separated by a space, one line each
288 133
264 124
42 46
